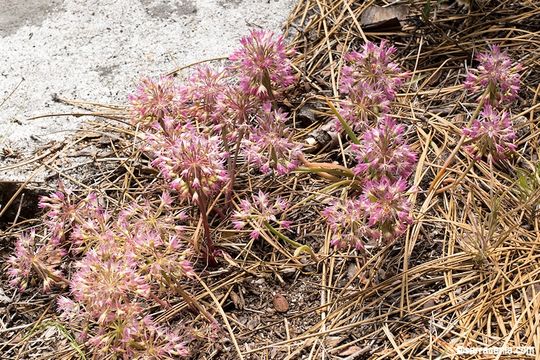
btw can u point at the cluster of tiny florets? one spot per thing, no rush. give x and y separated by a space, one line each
35 259
384 152
270 147
235 112
236 104
347 221
193 163
259 212
387 207
153 100
496 81
202 94
128 260
132 257
262 64
370 81
492 134
60 213
384 160
497 74
373 66
380 214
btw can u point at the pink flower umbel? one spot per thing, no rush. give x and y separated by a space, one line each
107 280
202 92
157 243
191 162
363 104
347 221
263 65
153 100
269 146
371 68
60 213
384 152
35 260
497 73
387 207
491 134
235 111
260 212
126 333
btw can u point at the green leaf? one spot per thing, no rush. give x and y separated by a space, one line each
426 10
346 126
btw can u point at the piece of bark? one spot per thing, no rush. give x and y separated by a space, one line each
384 18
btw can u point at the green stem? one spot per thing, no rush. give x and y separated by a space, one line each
344 124
297 245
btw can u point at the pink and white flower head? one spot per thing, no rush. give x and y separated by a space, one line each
153 100
492 134
142 338
371 72
262 63
258 212
202 92
365 103
106 280
497 73
384 152
60 213
235 111
269 145
387 207
32 259
192 162
347 221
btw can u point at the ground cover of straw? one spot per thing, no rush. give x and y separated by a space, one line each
467 273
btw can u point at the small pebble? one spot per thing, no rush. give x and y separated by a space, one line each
280 303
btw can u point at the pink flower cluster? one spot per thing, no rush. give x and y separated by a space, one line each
387 207
127 334
236 104
370 81
127 261
269 145
259 212
384 160
492 134
384 152
262 64
35 259
153 100
203 94
131 258
381 213
60 213
347 221
496 81
193 163
497 74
